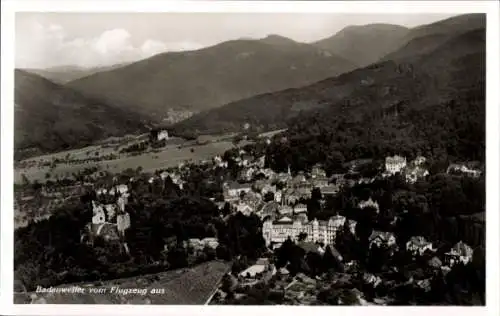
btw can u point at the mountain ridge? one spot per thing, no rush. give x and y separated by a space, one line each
212 76
50 117
433 74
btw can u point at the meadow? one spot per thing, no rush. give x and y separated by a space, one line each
169 156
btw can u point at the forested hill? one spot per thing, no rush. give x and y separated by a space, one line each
213 76
50 117
417 81
425 38
365 44
434 107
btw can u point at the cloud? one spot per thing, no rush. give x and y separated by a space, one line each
113 42
43 46
152 47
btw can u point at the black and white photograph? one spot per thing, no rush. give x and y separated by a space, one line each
249 158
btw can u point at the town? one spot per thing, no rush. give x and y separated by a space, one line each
361 237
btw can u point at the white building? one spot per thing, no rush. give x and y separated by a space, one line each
379 239
300 208
394 164
110 210
121 189
268 188
461 252
318 172
285 210
419 161
275 232
99 216
122 222
369 203
278 196
162 135
235 189
415 173
463 169
101 191
418 245
244 208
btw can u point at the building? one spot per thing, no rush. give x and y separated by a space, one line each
320 182
318 172
157 135
278 196
277 231
261 268
234 189
110 211
111 229
394 164
417 245
247 173
380 239
420 160
300 208
463 169
285 210
101 191
269 210
415 173
246 159
198 244
120 189
268 188
122 223
99 215
369 203
260 162
244 208
460 253
329 190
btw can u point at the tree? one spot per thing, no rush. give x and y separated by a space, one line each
302 236
316 194
177 258
269 196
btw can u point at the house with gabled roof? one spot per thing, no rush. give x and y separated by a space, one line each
380 239
460 253
369 203
234 189
417 245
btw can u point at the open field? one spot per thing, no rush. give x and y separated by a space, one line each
175 152
177 287
169 156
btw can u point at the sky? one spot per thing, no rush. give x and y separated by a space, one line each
44 40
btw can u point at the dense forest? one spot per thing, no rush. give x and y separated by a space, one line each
50 252
450 132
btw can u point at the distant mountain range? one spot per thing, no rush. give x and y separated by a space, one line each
213 76
365 44
65 74
438 59
50 117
